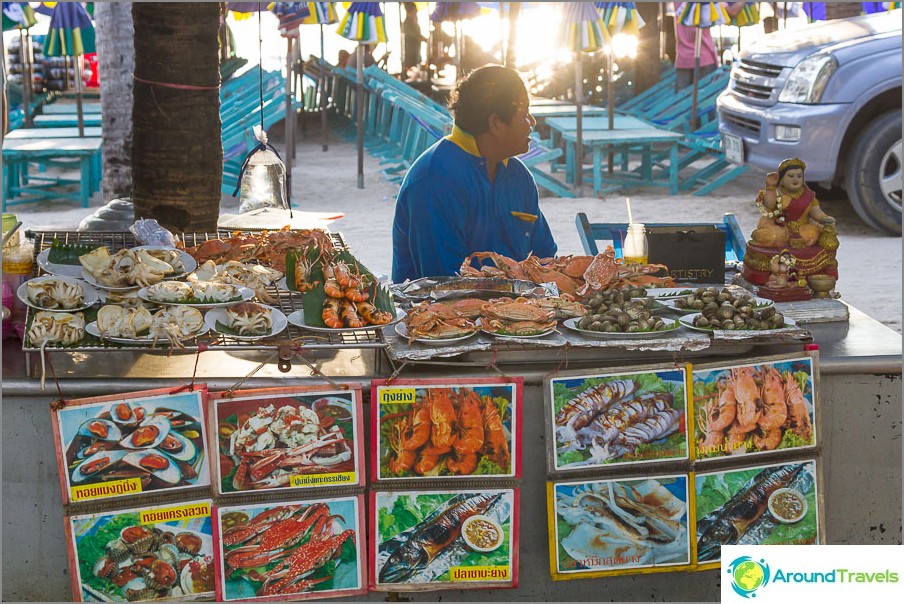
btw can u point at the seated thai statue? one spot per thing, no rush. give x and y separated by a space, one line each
792 223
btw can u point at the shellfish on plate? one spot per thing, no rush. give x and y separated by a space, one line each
156 463
98 462
148 435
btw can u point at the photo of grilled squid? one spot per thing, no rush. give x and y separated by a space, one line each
608 525
601 420
742 518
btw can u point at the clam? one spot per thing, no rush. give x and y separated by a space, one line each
101 429
137 590
98 462
156 463
177 446
148 434
139 539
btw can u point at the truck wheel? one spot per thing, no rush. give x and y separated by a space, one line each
873 176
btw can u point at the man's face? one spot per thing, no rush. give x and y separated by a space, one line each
516 134
793 179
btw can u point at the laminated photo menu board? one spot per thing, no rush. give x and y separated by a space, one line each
619 526
277 439
764 505
444 539
140 443
162 552
624 417
293 550
758 406
450 429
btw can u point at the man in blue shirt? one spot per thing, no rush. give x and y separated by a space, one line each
468 192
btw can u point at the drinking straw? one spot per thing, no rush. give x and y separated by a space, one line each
630 218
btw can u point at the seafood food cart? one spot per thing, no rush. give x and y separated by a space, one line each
489 460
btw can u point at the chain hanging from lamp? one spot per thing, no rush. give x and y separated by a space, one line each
262 179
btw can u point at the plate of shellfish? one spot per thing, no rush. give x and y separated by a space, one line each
426 339
246 321
57 293
363 310
132 268
655 328
200 294
55 268
138 326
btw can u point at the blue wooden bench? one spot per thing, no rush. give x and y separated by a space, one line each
20 186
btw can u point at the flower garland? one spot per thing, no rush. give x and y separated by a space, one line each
787 260
778 214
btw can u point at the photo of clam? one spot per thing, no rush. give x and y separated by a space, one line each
141 554
765 505
303 549
754 408
285 438
446 430
126 445
622 418
615 525
450 539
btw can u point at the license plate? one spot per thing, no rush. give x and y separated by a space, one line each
733 146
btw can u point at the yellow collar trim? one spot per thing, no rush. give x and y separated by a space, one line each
467 143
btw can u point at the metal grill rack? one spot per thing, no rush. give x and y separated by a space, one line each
286 301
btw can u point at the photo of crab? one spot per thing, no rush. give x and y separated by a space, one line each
126 445
150 553
608 526
285 438
446 430
754 408
620 418
454 539
765 505
303 549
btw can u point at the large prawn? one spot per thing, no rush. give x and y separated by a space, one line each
750 401
774 406
798 411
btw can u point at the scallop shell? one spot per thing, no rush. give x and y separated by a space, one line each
94 464
177 446
169 553
101 429
148 434
150 462
117 550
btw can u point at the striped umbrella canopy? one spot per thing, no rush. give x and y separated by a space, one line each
18 15
749 15
244 10
621 17
703 14
454 11
71 32
363 23
290 15
322 13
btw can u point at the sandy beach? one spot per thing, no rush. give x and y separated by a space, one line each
869 262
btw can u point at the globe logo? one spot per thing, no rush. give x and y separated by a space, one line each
748 575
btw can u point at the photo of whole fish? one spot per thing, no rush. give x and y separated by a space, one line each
601 420
733 507
754 408
618 524
436 537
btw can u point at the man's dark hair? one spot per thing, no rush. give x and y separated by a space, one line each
410 6
486 90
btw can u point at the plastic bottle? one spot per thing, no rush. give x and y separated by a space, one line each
18 262
635 249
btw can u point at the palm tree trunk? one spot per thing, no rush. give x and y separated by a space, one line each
177 153
116 58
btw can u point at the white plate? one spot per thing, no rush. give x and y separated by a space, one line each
66 270
688 321
190 263
89 292
90 279
91 328
244 292
403 331
297 318
281 284
619 335
513 337
279 322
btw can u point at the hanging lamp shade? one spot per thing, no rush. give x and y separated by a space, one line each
363 23
322 13
703 14
621 17
71 32
584 28
454 11
18 15
749 15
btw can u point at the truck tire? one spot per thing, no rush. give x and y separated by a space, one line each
873 174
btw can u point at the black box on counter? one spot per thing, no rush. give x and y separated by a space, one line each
694 252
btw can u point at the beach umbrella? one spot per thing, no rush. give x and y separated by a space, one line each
363 23
19 15
455 12
584 33
700 15
71 34
749 15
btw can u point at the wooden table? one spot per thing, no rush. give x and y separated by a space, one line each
67 132
70 109
625 143
64 120
21 187
544 112
558 125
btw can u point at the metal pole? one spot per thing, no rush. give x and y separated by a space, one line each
24 53
697 41
324 145
290 122
662 36
610 94
359 102
78 96
579 134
